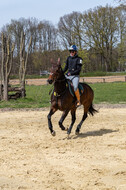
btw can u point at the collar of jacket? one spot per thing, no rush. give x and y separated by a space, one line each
74 56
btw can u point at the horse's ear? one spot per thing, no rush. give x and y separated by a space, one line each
58 63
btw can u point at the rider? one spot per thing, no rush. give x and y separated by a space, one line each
73 65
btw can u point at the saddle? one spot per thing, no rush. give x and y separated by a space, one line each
71 89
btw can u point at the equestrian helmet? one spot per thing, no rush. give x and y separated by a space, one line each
73 47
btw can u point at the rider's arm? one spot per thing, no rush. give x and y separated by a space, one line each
66 66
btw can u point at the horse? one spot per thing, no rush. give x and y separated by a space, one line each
63 100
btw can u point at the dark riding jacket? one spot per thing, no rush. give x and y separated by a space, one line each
73 65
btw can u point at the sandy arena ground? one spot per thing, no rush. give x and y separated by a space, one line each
31 159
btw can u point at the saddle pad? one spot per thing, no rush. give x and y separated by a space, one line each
80 86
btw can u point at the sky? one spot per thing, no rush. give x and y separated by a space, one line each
50 10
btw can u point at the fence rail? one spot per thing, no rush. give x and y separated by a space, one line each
103 79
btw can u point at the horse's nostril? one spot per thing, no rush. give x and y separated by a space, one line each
49 81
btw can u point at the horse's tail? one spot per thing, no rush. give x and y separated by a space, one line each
92 111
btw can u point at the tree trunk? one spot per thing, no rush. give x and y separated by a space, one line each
5 97
23 62
1 86
1 92
6 65
23 94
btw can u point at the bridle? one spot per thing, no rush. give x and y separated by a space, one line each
56 80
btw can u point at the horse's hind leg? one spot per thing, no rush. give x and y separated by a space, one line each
73 121
62 119
80 124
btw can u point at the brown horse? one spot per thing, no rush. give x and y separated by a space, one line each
63 100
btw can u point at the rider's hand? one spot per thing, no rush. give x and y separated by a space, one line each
68 73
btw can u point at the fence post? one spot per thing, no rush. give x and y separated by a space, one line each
125 78
103 79
83 79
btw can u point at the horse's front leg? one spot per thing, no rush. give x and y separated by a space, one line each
73 121
65 113
52 111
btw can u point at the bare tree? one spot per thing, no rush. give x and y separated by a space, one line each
121 1
46 36
23 62
69 28
1 85
6 65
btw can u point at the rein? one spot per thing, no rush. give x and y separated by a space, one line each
59 80
59 94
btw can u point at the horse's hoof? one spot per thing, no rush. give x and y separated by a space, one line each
68 136
68 132
53 133
76 132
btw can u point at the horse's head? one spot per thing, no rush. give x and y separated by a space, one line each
56 71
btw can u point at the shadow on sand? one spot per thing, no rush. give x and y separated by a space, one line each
100 132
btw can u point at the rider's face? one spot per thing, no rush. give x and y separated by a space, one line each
72 52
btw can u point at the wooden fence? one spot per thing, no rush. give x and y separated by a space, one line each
104 79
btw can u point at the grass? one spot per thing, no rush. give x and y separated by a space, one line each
38 96
101 73
113 93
